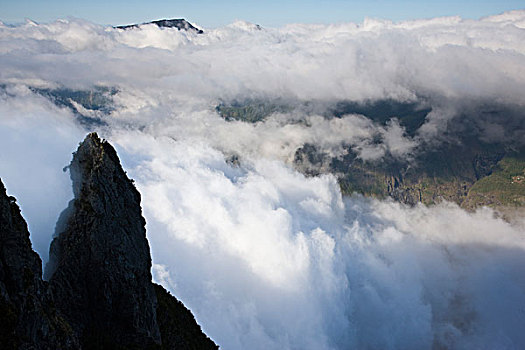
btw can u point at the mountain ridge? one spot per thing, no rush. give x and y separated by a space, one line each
100 293
179 23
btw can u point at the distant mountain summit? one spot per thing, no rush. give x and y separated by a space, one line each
179 23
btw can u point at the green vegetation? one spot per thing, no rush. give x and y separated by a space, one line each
464 170
504 187
251 111
410 115
98 99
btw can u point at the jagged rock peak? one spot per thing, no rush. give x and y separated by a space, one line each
179 23
100 265
27 317
96 161
99 269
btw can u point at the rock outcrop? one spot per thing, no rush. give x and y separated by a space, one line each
178 327
179 23
99 269
28 319
100 293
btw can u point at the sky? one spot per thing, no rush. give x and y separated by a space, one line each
274 13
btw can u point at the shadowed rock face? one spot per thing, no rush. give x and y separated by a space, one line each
28 319
178 327
100 294
99 270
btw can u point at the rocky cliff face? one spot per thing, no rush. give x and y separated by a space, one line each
178 327
100 263
100 293
28 319
466 165
470 174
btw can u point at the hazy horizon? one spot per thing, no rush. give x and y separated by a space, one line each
212 14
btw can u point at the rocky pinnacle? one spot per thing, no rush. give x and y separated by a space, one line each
100 264
100 294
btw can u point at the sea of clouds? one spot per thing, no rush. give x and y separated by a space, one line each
265 257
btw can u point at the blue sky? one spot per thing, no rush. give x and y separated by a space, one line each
209 13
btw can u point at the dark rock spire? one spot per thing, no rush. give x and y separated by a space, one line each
100 264
28 319
100 294
99 270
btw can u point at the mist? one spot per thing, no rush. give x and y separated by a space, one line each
289 263
265 257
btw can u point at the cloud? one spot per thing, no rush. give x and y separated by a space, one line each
37 140
265 257
376 59
448 64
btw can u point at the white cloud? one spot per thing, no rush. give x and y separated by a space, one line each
447 56
265 257
37 140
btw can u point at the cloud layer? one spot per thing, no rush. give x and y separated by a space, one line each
265 257
269 259
448 56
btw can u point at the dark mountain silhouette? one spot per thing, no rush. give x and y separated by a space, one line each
179 23
100 294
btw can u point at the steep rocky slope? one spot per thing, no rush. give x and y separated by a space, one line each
178 327
469 174
99 268
100 294
468 165
28 319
